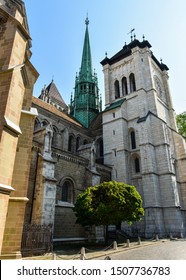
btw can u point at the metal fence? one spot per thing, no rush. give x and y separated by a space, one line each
36 239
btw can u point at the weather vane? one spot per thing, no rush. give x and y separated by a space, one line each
131 33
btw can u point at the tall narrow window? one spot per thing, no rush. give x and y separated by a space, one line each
67 191
124 86
116 89
54 138
77 143
71 143
133 140
101 148
132 82
137 165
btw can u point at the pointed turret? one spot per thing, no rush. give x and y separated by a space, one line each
86 104
51 95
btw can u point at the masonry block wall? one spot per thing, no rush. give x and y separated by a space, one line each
139 102
16 118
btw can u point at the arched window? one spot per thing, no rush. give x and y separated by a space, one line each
116 89
136 164
54 138
67 194
101 147
78 143
124 86
133 140
44 123
71 144
132 82
99 151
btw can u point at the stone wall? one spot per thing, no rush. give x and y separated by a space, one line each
160 151
17 78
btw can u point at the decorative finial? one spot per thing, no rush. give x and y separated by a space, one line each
87 20
105 54
143 37
134 36
161 60
52 78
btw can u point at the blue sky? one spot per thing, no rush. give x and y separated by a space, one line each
57 29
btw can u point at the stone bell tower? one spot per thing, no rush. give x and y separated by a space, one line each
86 104
140 136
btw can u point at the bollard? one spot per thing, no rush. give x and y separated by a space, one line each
54 256
157 238
128 243
139 240
82 255
107 258
171 236
115 245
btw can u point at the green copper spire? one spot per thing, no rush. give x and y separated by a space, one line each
86 104
86 63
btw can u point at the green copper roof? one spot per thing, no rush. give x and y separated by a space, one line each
86 103
115 105
86 62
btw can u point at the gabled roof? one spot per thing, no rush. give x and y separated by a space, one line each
53 92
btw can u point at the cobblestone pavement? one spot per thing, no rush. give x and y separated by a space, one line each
147 250
161 250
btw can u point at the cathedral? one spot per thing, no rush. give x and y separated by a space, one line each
51 151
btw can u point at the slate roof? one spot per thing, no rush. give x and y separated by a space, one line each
127 51
54 110
54 93
114 105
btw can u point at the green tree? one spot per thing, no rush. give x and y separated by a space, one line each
108 203
181 123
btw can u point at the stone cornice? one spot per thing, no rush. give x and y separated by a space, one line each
4 189
12 126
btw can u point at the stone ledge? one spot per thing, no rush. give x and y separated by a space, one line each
6 189
32 112
12 126
18 199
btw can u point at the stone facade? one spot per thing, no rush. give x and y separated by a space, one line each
17 77
141 141
66 159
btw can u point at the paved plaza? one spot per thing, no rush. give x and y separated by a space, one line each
161 250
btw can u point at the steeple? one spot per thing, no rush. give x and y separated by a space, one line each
86 63
86 104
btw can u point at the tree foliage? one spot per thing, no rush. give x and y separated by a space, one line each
108 203
181 123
